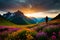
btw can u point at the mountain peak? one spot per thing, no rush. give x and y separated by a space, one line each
8 12
57 17
19 12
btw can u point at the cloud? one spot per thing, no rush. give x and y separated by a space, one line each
9 4
49 4
53 11
6 5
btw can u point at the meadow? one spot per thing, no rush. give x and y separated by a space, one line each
42 31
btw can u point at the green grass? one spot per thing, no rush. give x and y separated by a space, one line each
4 22
25 26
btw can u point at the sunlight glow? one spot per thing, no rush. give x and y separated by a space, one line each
41 14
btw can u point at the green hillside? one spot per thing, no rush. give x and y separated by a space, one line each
3 21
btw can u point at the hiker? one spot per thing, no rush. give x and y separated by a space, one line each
46 19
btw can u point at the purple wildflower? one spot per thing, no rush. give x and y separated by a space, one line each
13 29
53 37
41 34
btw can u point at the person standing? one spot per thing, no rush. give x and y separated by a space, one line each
46 19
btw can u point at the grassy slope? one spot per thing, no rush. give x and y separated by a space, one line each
5 22
57 21
52 22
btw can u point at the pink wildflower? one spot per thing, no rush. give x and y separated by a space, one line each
53 37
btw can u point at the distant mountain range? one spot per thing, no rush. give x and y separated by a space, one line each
42 19
18 18
39 20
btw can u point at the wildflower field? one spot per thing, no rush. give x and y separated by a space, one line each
42 31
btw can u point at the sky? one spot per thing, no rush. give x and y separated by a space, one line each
31 6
